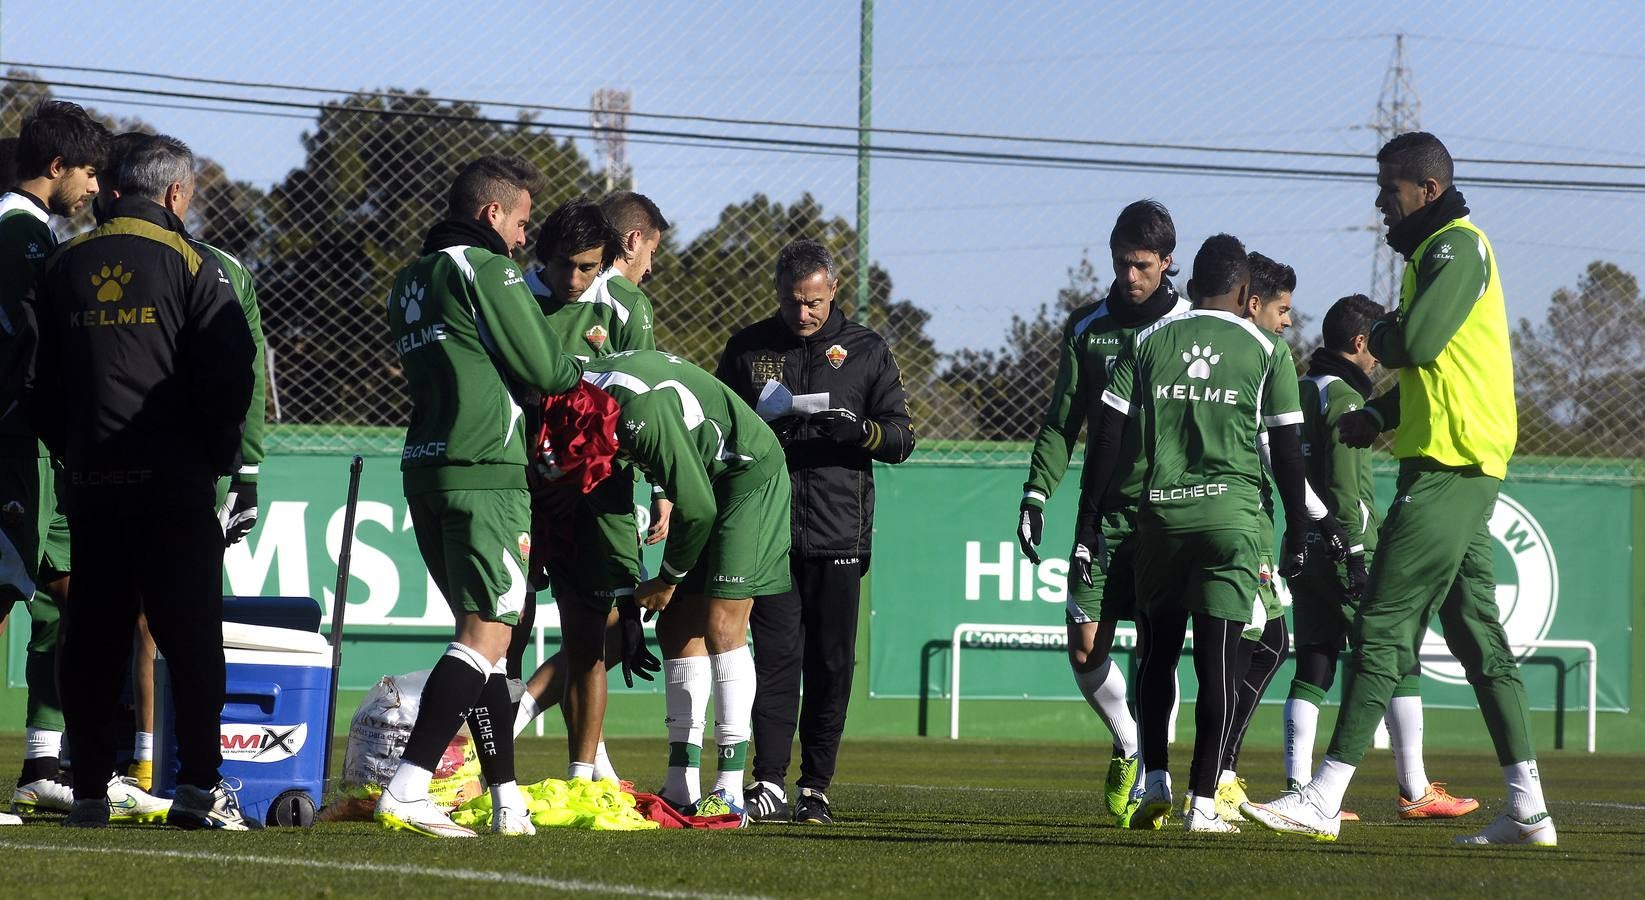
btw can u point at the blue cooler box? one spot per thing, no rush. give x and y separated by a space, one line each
274 721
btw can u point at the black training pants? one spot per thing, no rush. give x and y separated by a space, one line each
167 562
809 633
1160 636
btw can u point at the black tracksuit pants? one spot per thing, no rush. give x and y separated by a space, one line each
807 635
167 562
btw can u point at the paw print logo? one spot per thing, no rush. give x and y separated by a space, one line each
1200 361
411 300
111 283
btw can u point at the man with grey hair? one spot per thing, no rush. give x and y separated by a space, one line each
140 383
853 412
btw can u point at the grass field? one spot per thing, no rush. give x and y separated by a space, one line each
914 818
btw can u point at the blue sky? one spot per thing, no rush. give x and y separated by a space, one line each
973 243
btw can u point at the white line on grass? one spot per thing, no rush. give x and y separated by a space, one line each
969 789
475 875
1633 806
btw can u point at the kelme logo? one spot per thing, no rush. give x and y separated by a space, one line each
411 300
111 283
1527 593
1200 361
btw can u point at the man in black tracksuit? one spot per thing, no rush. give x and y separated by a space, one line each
142 376
809 347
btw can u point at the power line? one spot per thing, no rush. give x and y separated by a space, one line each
584 111
927 154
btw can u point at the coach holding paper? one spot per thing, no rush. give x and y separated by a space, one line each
846 371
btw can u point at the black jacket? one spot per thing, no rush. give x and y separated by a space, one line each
143 362
833 511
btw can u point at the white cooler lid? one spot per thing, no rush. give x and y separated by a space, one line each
239 636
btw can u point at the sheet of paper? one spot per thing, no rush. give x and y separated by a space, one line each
775 401
810 404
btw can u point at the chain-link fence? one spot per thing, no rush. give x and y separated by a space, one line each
1007 142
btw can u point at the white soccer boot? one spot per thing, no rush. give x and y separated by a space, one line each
9 819
1538 831
508 820
423 817
43 795
217 809
1148 809
1299 813
1207 824
130 804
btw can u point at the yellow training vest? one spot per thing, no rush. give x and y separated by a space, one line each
1459 409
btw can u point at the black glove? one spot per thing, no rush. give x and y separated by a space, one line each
239 513
1355 588
1294 552
637 658
1030 529
1336 540
785 427
842 426
1090 548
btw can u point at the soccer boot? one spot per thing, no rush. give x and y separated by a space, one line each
1348 815
508 820
1229 797
719 804
811 808
1199 822
1147 809
1437 803
1299 813
88 814
142 772
1122 777
418 817
1537 831
9 819
196 808
42 796
131 805
765 805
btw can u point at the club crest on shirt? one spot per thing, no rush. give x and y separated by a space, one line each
836 356
595 336
1265 575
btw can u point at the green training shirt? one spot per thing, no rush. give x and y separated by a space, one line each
26 241
691 436
467 330
1202 383
613 315
1091 342
251 442
1342 471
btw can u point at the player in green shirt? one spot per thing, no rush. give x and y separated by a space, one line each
1141 244
59 152
596 312
728 542
1201 384
469 337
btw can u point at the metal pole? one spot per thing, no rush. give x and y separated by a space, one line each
865 121
339 609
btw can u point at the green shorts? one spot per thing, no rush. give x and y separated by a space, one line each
476 546
747 552
34 533
1321 613
1203 572
1113 597
602 562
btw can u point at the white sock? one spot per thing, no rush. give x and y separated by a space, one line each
733 717
687 684
581 770
1330 783
144 748
603 770
38 743
1157 777
1205 806
507 795
1227 777
1404 718
1104 689
410 782
1524 790
1301 725
528 711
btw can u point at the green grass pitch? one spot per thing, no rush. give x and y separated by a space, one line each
915 818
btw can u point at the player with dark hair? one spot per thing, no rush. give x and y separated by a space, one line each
1324 596
1457 424
1141 244
641 224
469 336
1201 383
57 156
594 565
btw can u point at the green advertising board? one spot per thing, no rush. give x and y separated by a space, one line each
945 554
